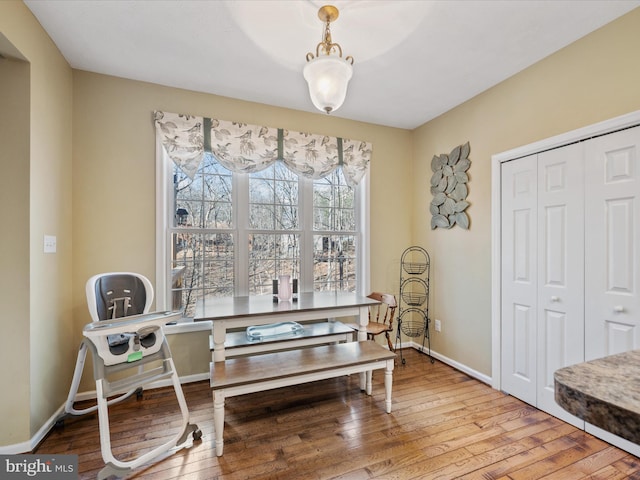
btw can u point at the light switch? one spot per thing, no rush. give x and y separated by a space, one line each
49 244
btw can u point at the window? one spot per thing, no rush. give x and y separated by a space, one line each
334 234
224 233
239 205
274 229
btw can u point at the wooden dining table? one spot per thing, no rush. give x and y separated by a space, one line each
244 311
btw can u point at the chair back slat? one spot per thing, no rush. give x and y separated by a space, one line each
383 312
381 317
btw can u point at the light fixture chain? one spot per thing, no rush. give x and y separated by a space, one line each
327 38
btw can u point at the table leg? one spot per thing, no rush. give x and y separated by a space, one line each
218 420
363 320
219 337
388 381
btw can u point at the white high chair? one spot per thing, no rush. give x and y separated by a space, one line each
124 337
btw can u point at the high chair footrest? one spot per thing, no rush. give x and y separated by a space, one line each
126 384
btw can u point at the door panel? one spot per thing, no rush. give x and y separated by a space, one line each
612 227
523 322
560 292
519 313
619 248
552 354
555 218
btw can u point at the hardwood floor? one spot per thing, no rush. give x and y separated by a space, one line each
444 425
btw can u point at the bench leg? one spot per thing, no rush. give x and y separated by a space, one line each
388 381
369 374
218 420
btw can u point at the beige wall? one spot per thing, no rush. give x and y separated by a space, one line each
14 245
114 182
40 352
594 79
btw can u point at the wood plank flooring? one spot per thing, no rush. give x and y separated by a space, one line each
444 425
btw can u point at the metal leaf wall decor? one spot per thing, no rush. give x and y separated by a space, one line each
449 188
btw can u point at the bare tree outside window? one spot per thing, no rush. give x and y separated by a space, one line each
204 232
274 225
334 254
203 244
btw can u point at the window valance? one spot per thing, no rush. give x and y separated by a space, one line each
245 148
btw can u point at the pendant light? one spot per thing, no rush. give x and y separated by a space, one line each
327 73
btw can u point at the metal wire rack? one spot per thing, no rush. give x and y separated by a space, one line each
413 307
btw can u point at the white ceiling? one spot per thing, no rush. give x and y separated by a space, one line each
414 60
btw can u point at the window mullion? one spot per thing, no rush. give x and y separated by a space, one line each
201 259
241 227
164 206
306 225
362 217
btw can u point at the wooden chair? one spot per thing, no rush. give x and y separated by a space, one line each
381 317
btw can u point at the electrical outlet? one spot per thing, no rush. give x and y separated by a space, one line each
438 325
49 244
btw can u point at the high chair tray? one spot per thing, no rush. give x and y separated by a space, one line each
128 324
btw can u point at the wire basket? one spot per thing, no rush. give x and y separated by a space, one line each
414 299
415 268
415 261
414 292
413 322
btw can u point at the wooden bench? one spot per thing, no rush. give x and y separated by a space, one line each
239 376
315 333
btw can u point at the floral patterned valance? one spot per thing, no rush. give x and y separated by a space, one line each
245 148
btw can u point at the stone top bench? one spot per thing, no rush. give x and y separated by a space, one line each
239 376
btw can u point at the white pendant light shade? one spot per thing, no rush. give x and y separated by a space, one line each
326 72
328 78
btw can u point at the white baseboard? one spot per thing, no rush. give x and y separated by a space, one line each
24 447
457 365
27 447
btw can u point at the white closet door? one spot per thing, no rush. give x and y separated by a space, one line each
612 322
518 243
612 268
560 267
